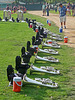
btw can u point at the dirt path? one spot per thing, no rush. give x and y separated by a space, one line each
70 31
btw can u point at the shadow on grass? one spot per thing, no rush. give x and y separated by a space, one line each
32 91
47 75
47 54
46 62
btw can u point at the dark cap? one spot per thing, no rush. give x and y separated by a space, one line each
60 4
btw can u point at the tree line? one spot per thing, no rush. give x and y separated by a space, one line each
49 1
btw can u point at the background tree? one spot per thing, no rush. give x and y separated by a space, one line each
49 1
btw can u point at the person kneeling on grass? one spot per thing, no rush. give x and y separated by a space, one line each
62 13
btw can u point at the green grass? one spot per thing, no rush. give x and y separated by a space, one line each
15 35
53 11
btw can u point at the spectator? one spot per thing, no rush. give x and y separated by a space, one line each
44 9
73 9
47 9
14 8
62 12
7 8
68 9
24 9
55 8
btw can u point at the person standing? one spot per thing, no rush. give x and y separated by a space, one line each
44 9
47 9
14 8
55 8
68 9
7 8
62 14
73 9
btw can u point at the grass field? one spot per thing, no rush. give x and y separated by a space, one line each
15 35
53 11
